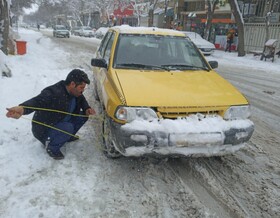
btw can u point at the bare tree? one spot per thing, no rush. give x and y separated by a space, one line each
152 7
4 25
240 26
5 8
139 8
211 5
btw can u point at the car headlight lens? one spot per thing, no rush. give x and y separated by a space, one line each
238 112
129 114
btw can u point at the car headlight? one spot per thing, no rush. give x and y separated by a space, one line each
238 112
129 114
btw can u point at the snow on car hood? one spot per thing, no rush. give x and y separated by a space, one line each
199 41
193 124
203 44
177 89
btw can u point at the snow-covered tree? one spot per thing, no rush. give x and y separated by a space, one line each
152 7
8 7
140 8
4 24
211 6
240 26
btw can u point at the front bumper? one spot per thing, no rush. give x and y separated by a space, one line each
207 51
193 138
63 34
88 34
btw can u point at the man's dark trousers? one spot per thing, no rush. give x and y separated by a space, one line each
57 138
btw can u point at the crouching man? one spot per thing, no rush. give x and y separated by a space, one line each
57 106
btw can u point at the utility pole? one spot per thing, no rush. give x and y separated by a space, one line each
165 13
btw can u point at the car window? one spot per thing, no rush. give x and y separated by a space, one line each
104 43
157 51
109 47
60 28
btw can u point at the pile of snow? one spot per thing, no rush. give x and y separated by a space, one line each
192 124
249 61
4 69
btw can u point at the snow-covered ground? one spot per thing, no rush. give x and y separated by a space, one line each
34 185
249 61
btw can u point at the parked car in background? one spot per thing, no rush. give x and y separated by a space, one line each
100 33
87 31
60 31
76 31
160 96
206 47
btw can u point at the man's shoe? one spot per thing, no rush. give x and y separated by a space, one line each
55 155
72 139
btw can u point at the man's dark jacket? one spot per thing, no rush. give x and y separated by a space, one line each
55 97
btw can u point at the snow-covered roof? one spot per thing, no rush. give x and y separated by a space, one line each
146 30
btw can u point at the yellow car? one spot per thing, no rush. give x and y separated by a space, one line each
161 97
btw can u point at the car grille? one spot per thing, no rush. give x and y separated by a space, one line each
206 49
175 112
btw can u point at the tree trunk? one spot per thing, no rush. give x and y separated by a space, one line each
165 14
210 13
240 26
151 14
4 26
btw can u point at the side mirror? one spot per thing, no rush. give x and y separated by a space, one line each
96 62
213 64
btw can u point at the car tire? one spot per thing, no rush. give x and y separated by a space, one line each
108 144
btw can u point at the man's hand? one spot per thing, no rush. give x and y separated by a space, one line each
15 112
90 111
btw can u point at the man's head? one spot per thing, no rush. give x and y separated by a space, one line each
76 82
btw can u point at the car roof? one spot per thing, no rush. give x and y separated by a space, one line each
146 30
192 34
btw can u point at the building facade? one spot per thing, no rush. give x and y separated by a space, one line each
192 15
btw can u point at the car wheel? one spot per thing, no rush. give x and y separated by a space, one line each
108 143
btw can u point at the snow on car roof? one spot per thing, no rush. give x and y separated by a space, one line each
147 30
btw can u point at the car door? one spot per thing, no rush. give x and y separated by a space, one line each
104 52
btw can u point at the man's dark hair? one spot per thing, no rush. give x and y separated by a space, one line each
77 76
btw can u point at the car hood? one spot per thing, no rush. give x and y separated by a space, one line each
177 89
203 43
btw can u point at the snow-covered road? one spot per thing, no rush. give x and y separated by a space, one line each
87 184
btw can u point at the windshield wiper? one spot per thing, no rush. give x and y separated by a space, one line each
144 66
184 66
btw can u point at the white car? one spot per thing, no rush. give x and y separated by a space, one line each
86 31
60 31
206 47
100 33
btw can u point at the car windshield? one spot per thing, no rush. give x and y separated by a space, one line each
193 35
60 28
157 52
